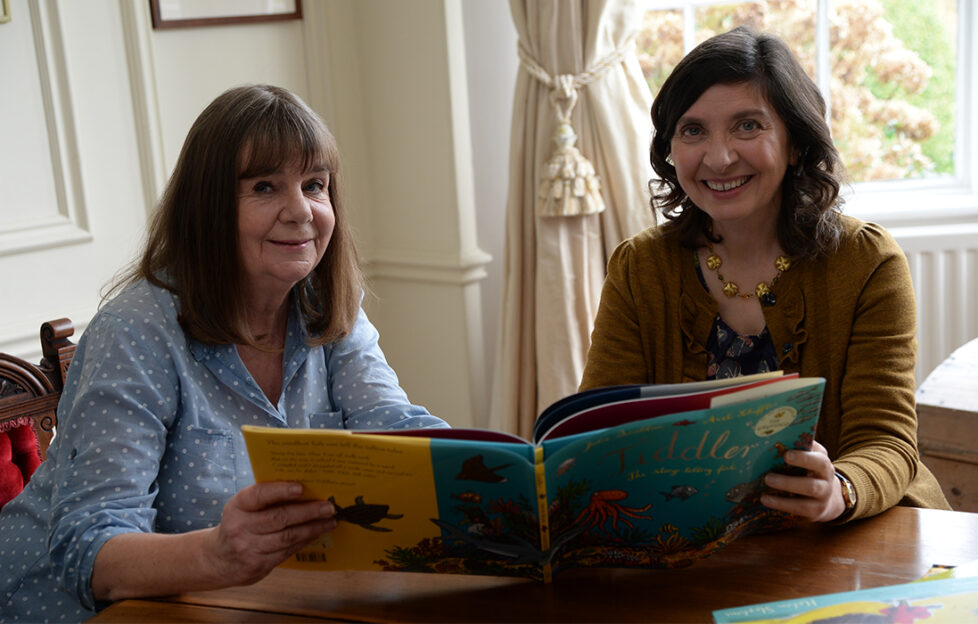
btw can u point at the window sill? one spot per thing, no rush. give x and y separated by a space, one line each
913 204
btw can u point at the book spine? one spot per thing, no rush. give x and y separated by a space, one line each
542 512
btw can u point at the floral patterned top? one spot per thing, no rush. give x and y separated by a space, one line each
733 355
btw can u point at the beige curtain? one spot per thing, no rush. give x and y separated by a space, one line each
554 265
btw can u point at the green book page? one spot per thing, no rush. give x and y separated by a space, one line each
665 491
486 511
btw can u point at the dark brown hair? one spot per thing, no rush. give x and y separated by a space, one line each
192 242
808 222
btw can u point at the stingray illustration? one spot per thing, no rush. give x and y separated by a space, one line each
475 469
364 514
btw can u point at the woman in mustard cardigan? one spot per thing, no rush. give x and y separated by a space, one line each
756 269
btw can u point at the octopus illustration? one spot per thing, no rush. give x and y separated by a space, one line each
364 514
603 507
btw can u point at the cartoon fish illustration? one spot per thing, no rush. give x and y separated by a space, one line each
475 469
739 492
679 491
469 497
566 465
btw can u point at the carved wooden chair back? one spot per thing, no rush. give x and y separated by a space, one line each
33 390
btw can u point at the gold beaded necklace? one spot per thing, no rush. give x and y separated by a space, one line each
762 291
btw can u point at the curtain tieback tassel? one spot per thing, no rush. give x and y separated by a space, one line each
569 185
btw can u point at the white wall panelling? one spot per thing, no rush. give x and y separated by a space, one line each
137 31
69 175
51 214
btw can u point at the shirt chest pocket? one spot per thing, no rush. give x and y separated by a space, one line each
197 477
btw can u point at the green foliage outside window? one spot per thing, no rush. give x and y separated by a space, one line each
928 27
892 73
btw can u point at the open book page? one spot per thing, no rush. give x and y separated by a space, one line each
396 496
652 492
587 399
651 401
668 490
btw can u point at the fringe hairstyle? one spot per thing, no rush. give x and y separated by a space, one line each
808 220
192 243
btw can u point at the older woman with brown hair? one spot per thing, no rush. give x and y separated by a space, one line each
244 309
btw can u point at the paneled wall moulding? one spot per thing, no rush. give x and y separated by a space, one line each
69 224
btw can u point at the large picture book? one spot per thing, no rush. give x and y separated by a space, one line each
629 476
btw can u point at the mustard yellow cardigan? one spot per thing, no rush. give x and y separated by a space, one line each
849 317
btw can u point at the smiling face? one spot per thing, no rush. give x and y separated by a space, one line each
731 151
285 221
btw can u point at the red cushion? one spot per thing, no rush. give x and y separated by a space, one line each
19 457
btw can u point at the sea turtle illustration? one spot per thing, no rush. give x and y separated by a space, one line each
364 514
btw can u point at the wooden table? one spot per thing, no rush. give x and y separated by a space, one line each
895 547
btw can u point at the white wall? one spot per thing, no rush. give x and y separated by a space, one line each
395 88
490 45
194 65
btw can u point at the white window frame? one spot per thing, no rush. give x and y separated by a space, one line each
901 203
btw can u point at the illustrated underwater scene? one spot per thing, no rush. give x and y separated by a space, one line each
487 514
659 493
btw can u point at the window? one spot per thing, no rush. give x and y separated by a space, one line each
899 78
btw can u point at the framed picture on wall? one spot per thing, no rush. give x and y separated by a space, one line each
4 11
186 13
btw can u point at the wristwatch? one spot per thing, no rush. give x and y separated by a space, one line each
848 495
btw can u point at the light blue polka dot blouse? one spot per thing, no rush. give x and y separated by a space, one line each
149 439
